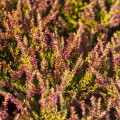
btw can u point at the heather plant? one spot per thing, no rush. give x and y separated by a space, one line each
59 66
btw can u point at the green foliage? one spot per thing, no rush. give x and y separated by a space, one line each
87 83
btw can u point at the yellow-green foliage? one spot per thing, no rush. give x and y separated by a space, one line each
87 83
72 13
50 116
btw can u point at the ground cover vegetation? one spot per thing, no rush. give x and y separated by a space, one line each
59 59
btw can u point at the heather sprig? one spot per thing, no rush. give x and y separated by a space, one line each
59 60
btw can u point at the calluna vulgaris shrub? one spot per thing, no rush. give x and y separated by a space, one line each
59 59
